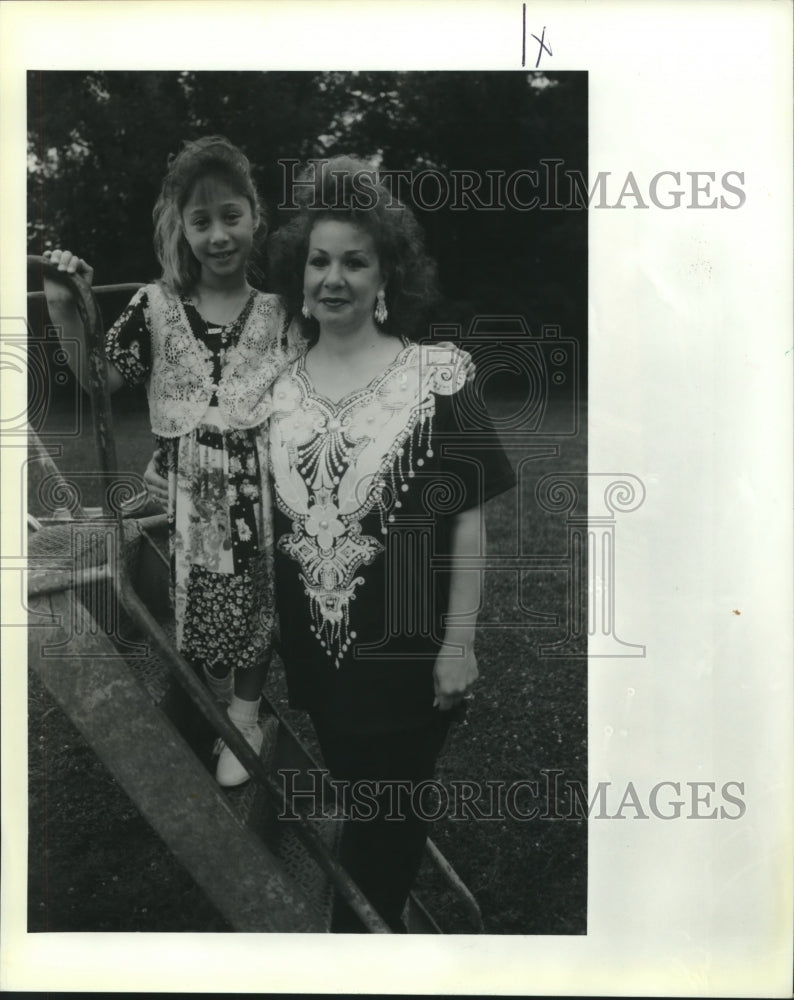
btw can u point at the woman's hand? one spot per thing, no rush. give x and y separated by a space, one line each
455 669
454 673
155 484
464 360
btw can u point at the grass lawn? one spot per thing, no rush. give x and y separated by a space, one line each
95 865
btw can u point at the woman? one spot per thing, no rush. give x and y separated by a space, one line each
378 492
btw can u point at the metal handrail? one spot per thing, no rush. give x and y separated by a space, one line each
124 286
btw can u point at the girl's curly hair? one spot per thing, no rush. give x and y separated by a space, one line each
346 189
213 157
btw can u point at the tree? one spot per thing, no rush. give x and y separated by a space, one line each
99 143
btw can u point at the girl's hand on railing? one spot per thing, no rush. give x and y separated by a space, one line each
70 263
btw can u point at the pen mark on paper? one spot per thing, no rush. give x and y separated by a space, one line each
543 47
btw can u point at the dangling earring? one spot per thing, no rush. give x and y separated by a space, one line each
381 312
305 310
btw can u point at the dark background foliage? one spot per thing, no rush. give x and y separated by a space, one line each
99 142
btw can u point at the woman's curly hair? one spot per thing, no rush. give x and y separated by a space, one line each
346 189
211 157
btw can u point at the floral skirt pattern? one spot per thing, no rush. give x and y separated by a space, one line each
221 543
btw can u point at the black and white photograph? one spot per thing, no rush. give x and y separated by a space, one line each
394 543
416 204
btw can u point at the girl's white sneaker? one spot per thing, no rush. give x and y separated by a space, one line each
230 772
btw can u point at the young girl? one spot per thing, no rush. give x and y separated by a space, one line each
208 346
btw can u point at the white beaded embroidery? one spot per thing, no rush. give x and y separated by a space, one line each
322 453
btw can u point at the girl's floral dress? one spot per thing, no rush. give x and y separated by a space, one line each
219 509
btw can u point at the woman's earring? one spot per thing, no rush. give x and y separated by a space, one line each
381 312
305 310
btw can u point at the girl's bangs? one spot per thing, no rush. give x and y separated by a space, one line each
207 181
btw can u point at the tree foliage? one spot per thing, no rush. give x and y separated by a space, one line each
98 145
